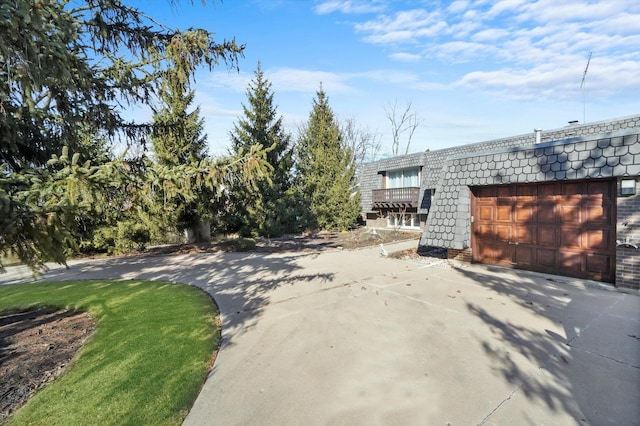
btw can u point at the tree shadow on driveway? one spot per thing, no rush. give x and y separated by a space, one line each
579 340
241 284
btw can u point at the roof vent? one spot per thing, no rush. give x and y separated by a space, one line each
538 133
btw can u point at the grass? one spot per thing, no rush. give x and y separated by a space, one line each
145 363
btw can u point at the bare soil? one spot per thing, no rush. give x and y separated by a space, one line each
308 242
35 348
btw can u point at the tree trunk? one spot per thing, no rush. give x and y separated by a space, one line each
200 232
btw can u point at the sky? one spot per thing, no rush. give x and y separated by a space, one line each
472 70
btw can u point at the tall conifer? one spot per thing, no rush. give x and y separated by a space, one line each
178 139
326 171
267 209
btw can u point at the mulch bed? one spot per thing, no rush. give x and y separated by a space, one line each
35 348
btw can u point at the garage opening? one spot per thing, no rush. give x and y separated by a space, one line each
564 228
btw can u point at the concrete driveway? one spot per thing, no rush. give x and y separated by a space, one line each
352 338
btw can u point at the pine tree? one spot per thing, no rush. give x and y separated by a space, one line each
326 171
177 134
268 211
178 140
69 71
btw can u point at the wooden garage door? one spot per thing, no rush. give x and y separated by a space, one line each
564 228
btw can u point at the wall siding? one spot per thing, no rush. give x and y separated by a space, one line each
605 149
432 162
628 230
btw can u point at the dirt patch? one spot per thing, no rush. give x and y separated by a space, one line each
320 241
35 348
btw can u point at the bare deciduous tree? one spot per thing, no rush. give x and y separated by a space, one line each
365 144
402 123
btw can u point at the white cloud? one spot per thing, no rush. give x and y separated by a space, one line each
458 6
388 77
624 23
283 80
298 80
235 81
404 26
489 35
553 81
462 30
551 11
504 6
292 80
518 49
462 51
349 7
405 57
526 48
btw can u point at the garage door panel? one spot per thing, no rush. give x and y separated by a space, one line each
598 239
574 189
546 236
504 233
600 189
559 227
569 214
597 214
598 264
546 257
524 234
504 191
485 232
486 213
524 192
524 255
570 238
495 253
524 213
547 190
504 213
546 213
571 261
482 192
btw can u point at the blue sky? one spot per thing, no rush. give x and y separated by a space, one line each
472 70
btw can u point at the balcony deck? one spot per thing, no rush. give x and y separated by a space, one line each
396 197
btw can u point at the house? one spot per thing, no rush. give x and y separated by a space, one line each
564 201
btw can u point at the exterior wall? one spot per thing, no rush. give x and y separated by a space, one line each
604 149
373 220
463 255
370 177
600 156
433 161
628 230
605 156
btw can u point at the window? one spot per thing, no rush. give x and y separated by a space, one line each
403 178
399 220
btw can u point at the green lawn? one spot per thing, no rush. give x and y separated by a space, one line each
145 363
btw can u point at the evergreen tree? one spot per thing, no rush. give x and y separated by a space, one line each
69 71
71 68
177 134
269 210
326 171
178 140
